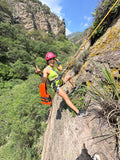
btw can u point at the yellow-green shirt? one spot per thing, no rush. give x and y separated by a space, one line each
54 73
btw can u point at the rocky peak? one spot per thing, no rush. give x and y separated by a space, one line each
34 15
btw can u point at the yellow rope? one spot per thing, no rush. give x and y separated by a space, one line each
70 64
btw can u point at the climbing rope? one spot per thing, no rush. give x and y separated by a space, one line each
71 63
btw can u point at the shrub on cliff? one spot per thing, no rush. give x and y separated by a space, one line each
99 14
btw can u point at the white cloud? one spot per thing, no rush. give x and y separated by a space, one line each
88 18
69 23
81 24
86 21
86 25
54 5
68 32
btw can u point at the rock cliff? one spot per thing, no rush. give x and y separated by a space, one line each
65 135
34 15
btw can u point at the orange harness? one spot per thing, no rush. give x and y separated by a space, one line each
45 97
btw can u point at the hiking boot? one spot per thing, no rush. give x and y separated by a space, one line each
81 113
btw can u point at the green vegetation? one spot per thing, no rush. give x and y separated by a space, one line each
106 91
4 7
22 119
5 12
18 52
78 98
22 116
99 14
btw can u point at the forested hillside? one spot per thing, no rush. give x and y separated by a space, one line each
22 117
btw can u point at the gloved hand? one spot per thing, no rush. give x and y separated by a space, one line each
58 62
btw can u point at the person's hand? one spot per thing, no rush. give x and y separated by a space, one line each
58 61
37 70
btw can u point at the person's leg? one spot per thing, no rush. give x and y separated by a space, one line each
63 94
69 78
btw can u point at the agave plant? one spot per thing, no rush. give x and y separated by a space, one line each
106 90
107 95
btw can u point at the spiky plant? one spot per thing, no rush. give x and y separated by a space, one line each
107 95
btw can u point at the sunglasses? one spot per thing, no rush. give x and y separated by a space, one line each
51 59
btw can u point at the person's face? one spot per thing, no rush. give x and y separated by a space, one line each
51 62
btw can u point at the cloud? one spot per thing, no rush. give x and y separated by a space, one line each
81 24
69 23
68 32
86 21
86 25
54 5
88 18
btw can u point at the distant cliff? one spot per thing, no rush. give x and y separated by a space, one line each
34 15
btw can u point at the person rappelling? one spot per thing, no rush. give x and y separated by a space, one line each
52 74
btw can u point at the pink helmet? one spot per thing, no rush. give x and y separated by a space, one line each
49 55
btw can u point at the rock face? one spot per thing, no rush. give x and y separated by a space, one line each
34 15
105 51
65 135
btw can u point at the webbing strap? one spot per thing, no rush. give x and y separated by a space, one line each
54 82
45 99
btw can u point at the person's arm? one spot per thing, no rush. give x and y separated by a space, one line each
45 75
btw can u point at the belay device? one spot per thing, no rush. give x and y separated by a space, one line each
45 97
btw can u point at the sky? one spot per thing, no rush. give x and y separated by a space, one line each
76 13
